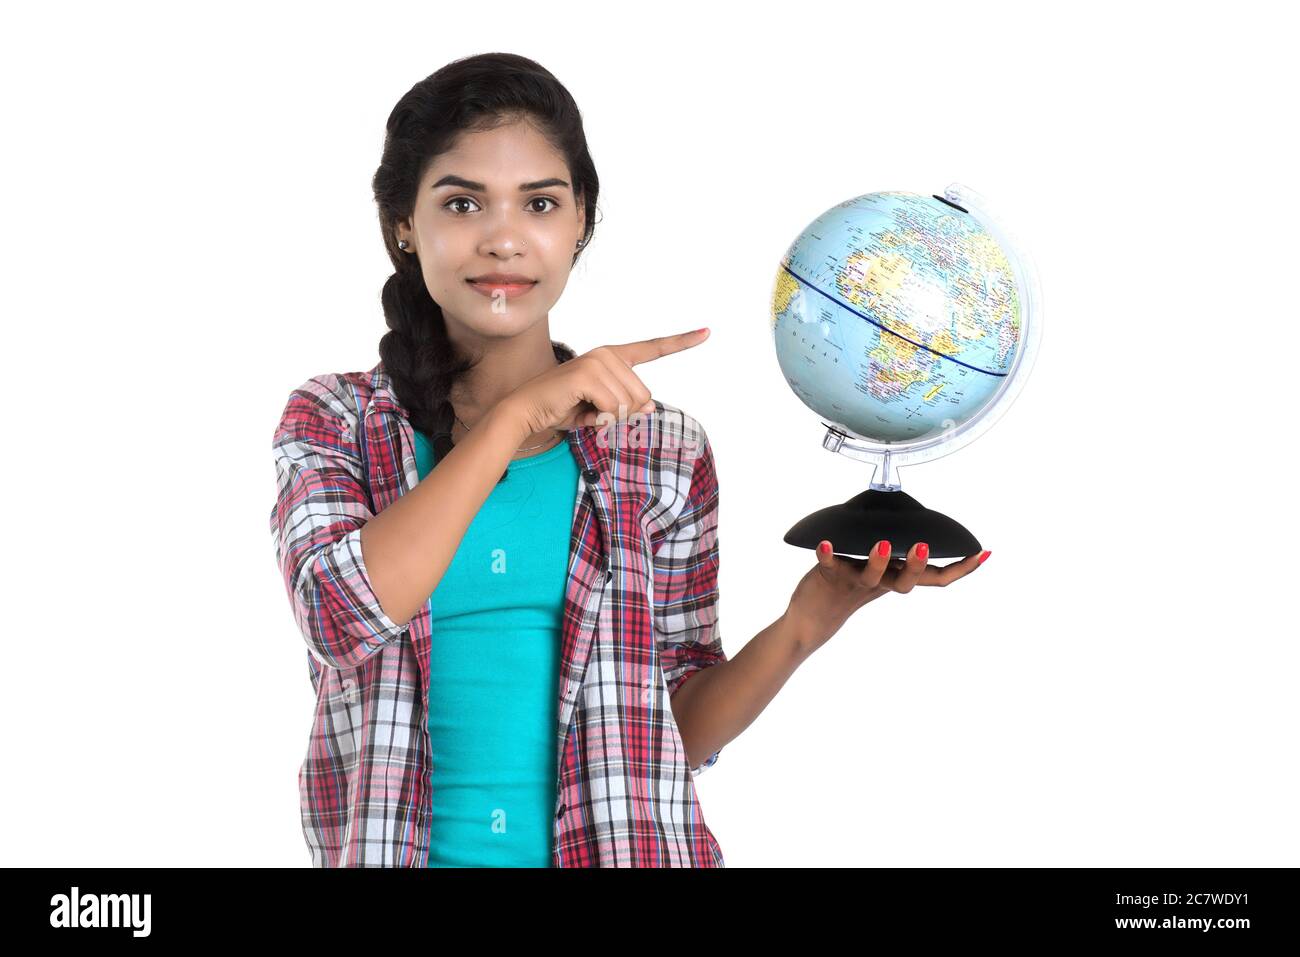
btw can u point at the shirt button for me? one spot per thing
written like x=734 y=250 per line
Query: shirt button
x=591 y=475
x=560 y=813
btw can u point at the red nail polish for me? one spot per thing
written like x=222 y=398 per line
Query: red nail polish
x=923 y=551
x=883 y=549
x=983 y=557
x=823 y=547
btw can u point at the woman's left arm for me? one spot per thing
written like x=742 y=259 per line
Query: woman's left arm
x=721 y=701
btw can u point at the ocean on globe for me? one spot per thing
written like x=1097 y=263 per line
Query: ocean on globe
x=896 y=317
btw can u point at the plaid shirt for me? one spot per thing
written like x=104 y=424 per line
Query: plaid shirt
x=640 y=617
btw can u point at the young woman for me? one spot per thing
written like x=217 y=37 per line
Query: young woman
x=503 y=556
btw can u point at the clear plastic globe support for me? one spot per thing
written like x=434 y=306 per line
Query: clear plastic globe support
x=909 y=324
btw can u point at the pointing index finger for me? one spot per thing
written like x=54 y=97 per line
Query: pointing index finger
x=634 y=353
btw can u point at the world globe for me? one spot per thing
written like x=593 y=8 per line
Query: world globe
x=908 y=323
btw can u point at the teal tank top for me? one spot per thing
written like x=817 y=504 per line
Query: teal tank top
x=494 y=668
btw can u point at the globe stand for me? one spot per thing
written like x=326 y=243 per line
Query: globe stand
x=882 y=512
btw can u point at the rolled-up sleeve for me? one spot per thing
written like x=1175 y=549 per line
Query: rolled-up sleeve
x=321 y=505
x=686 y=583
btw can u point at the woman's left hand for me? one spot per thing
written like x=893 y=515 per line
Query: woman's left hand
x=838 y=586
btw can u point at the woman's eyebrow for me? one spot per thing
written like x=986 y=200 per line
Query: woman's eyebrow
x=462 y=183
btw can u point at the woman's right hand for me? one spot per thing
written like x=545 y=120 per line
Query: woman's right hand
x=575 y=393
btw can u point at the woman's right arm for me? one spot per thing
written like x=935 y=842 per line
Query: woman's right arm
x=342 y=598
x=408 y=546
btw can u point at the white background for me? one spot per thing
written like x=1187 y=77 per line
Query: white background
x=189 y=234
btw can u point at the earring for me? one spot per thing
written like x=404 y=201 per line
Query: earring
x=402 y=244
x=581 y=243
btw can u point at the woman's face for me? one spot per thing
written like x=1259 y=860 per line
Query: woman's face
x=499 y=201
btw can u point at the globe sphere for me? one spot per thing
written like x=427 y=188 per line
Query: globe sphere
x=897 y=317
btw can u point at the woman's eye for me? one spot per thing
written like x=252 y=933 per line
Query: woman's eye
x=543 y=199
x=458 y=199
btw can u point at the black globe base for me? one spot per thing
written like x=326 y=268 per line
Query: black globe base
x=854 y=527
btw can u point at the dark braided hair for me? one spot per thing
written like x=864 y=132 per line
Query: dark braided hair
x=470 y=94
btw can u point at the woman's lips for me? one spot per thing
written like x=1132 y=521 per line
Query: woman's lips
x=511 y=290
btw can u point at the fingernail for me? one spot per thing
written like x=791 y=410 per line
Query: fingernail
x=923 y=550
x=702 y=329
x=823 y=547
x=983 y=557
x=883 y=549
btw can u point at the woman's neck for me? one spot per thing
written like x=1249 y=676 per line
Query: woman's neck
x=504 y=366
